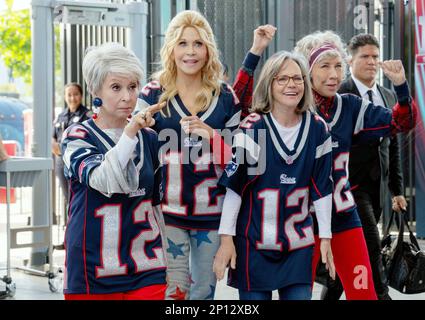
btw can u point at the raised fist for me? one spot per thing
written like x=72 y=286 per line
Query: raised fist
x=263 y=35
x=394 y=70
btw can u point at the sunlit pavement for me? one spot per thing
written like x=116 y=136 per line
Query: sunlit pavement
x=31 y=287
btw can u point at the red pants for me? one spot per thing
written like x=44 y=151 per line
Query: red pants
x=155 y=292
x=352 y=264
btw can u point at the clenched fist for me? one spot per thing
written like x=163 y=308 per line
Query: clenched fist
x=263 y=35
x=394 y=70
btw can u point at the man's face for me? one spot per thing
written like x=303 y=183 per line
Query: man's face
x=364 y=63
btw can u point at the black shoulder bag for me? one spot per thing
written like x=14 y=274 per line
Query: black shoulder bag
x=404 y=261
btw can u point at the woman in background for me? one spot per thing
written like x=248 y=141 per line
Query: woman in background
x=74 y=112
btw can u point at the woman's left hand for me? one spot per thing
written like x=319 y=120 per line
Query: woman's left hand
x=195 y=125
x=327 y=257
x=394 y=70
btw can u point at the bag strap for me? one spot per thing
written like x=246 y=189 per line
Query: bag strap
x=412 y=237
x=403 y=221
x=390 y=223
x=400 y=238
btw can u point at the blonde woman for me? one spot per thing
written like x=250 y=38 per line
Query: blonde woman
x=282 y=161
x=200 y=111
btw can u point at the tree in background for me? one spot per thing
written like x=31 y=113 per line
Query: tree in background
x=15 y=50
x=15 y=42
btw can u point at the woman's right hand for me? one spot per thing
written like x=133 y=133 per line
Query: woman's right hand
x=263 y=35
x=142 y=120
x=327 y=256
x=225 y=253
x=139 y=121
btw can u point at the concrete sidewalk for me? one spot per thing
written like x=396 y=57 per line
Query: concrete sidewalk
x=30 y=287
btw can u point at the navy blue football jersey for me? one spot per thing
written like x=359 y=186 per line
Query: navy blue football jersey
x=192 y=199
x=274 y=230
x=113 y=239
x=351 y=117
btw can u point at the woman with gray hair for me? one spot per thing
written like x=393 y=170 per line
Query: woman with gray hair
x=113 y=239
x=281 y=162
x=349 y=117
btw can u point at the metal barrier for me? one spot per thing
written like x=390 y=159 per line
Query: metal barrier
x=22 y=172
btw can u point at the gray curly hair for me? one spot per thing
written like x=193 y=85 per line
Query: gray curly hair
x=308 y=44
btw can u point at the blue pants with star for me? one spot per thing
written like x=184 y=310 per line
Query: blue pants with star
x=190 y=256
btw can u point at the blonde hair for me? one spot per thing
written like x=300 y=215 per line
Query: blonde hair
x=263 y=98
x=212 y=70
x=319 y=38
x=109 y=58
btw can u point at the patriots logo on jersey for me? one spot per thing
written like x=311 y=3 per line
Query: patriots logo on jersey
x=98 y=158
x=190 y=142
x=137 y=193
x=284 y=179
x=231 y=168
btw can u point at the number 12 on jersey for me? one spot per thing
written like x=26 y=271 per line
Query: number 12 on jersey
x=270 y=220
x=111 y=244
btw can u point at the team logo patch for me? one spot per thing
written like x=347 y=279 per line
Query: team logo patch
x=231 y=168
x=99 y=158
x=138 y=193
x=189 y=142
x=284 y=179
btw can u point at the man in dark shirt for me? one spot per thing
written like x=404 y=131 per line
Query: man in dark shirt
x=373 y=166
